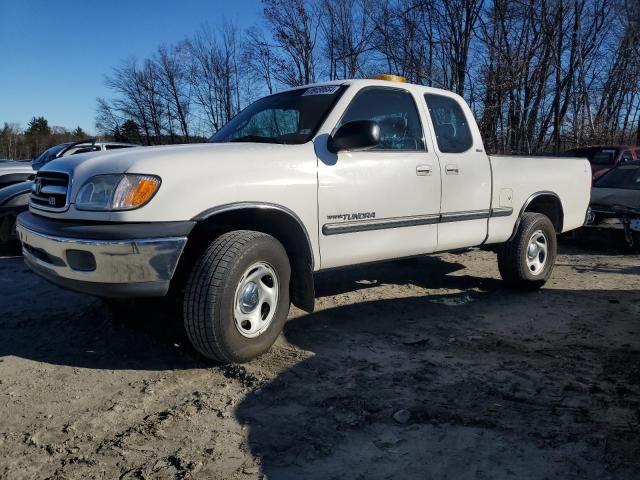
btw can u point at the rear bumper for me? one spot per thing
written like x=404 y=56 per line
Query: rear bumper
x=110 y=267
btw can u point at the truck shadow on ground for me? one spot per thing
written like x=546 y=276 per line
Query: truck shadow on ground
x=424 y=272
x=508 y=386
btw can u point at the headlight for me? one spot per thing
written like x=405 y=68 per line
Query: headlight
x=117 y=192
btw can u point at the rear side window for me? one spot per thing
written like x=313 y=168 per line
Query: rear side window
x=394 y=111
x=450 y=124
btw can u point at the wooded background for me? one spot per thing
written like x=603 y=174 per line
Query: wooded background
x=540 y=75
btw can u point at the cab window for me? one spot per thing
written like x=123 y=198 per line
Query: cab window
x=394 y=111
x=627 y=157
x=273 y=123
x=450 y=124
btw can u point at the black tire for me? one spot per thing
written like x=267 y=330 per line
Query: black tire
x=8 y=230
x=634 y=248
x=512 y=256
x=210 y=296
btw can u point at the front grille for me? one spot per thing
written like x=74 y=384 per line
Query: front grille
x=49 y=191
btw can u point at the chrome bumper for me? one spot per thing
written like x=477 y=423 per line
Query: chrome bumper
x=111 y=268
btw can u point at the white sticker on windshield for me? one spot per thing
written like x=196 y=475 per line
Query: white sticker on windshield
x=325 y=90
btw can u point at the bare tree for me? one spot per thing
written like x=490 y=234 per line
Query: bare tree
x=540 y=74
x=215 y=75
x=294 y=25
x=137 y=97
x=457 y=23
x=259 y=57
x=174 y=85
x=347 y=30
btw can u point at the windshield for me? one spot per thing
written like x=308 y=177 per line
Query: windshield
x=50 y=154
x=626 y=176
x=291 y=117
x=596 y=156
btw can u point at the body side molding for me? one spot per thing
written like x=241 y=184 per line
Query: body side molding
x=501 y=212
x=462 y=216
x=379 y=224
x=400 y=222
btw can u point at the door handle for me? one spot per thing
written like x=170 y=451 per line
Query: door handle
x=452 y=169
x=422 y=170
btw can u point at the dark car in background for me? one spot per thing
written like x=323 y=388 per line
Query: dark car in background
x=14 y=197
x=13 y=200
x=14 y=171
x=614 y=210
x=603 y=158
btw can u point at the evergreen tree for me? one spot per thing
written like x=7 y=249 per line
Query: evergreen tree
x=130 y=132
x=38 y=126
x=117 y=136
x=79 y=133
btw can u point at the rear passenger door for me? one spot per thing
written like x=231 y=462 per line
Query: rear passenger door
x=384 y=202
x=466 y=173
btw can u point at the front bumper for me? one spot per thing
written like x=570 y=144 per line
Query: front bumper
x=114 y=267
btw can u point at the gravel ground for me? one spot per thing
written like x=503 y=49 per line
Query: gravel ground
x=428 y=368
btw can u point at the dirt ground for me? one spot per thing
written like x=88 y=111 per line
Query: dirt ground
x=420 y=369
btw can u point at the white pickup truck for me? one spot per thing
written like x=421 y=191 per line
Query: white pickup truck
x=313 y=178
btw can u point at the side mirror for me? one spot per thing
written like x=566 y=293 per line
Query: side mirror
x=358 y=135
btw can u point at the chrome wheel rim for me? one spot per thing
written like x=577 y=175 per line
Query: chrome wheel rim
x=537 y=252
x=256 y=299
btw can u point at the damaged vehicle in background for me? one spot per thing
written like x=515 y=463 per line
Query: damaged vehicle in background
x=614 y=211
x=14 y=197
x=604 y=158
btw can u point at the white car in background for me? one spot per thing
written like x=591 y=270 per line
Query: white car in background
x=16 y=171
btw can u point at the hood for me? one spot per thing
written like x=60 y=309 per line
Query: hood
x=154 y=159
x=181 y=165
x=609 y=197
x=197 y=177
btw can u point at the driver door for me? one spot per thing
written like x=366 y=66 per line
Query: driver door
x=384 y=202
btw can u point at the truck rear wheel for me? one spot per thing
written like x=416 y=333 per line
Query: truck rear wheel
x=526 y=262
x=237 y=297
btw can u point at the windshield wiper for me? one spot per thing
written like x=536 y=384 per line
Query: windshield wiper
x=257 y=139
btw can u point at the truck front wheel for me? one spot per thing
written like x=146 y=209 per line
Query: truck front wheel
x=237 y=297
x=526 y=262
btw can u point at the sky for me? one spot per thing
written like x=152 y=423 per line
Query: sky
x=54 y=54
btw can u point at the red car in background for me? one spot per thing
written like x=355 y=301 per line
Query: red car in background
x=604 y=158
